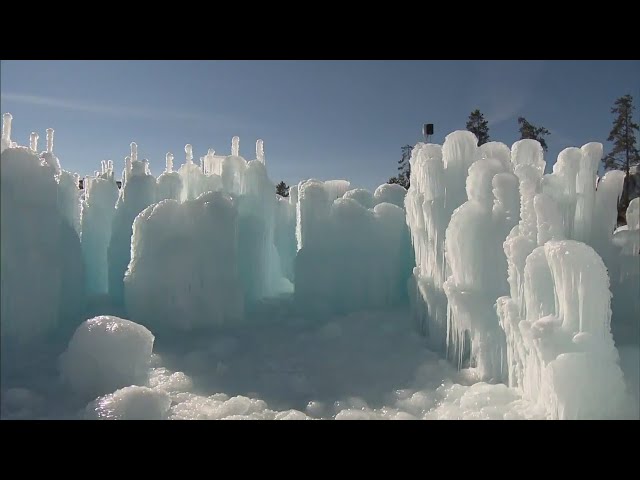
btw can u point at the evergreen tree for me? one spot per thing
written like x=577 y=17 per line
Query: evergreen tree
x=528 y=130
x=624 y=154
x=404 y=167
x=282 y=189
x=478 y=126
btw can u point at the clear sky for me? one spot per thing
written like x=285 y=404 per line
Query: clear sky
x=320 y=119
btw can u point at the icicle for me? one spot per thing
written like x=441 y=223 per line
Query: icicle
x=6 y=126
x=33 y=141
x=260 y=151
x=169 y=162
x=134 y=152
x=235 y=146
x=103 y=167
x=189 y=151
x=49 y=140
x=76 y=178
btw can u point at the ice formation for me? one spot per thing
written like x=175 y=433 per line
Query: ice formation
x=184 y=271
x=350 y=256
x=5 y=140
x=518 y=278
x=49 y=157
x=98 y=210
x=437 y=189
x=260 y=151
x=191 y=176
x=130 y=403
x=169 y=182
x=560 y=348
x=285 y=233
x=625 y=278
x=137 y=193
x=106 y=353
x=478 y=267
x=40 y=250
x=551 y=339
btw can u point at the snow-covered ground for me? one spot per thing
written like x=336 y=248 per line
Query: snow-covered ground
x=369 y=365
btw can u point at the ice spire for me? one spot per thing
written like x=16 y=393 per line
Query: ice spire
x=33 y=141
x=127 y=164
x=235 y=146
x=147 y=170
x=169 y=162
x=134 y=152
x=189 y=151
x=49 y=140
x=110 y=167
x=207 y=166
x=260 y=151
x=6 y=126
x=103 y=166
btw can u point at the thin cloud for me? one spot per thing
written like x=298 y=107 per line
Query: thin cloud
x=114 y=110
x=505 y=88
x=503 y=109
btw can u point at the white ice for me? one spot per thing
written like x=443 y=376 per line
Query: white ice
x=106 y=353
x=489 y=289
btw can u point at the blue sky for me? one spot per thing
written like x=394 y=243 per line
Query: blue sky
x=321 y=119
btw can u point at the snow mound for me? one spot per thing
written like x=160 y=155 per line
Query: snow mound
x=130 y=403
x=106 y=353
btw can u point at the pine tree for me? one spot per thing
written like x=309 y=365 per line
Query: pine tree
x=624 y=154
x=282 y=189
x=404 y=167
x=528 y=130
x=478 y=126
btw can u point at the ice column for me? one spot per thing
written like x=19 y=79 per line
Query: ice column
x=260 y=151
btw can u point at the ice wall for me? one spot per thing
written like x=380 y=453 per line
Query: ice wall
x=169 y=182
x=389 y=193
x=215 y=253
x=137 y=193
x=69 y=205
x=285 y=233
x=557 y=319
x=438 y=177
x=41 y=270
x=512 y=240
x=560 y=348
x=478 y=267
x=183 y=272
x=98 y=210
x=625 y=279
x=353 y=254
x=192 y=177
x=259 y=260
x=587 y=211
